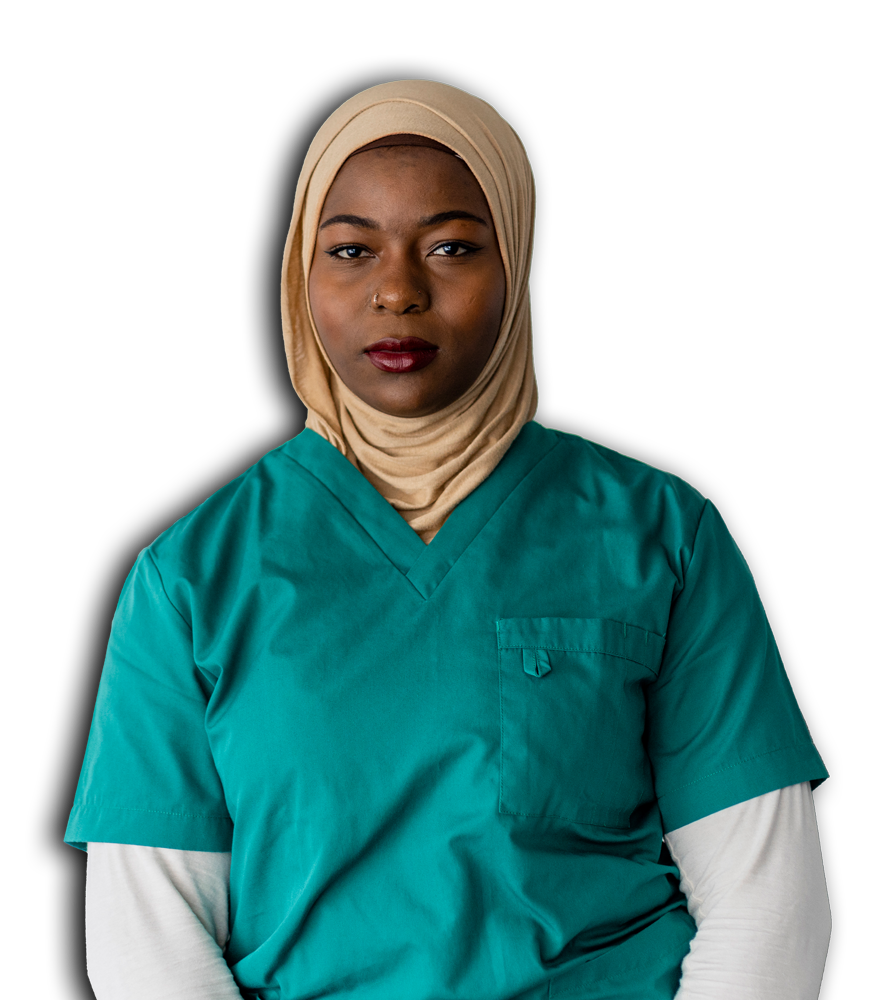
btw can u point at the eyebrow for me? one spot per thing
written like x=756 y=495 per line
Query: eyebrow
x=431 y=220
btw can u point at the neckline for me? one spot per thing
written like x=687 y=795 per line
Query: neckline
x=423 y=565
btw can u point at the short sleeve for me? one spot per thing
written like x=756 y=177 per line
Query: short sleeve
x=148 y=776
x=723 y=723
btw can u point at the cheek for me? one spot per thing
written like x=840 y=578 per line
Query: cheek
x=327 y=311
x=477 y=306
x=497 y=300
x=318 y=296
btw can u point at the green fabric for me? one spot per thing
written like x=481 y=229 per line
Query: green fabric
x=444 y=770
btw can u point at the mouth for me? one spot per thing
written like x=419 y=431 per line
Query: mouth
x=403 y=346
x=399 y=356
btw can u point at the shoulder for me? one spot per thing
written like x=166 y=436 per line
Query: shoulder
x=219 y=524
x=615 y=479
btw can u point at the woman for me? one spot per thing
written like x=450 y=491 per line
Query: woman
x=407 y=709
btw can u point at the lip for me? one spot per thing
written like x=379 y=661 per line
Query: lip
x=399 y=356
x=405 y=344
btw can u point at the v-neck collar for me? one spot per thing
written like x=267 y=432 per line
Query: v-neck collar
x=424 y=566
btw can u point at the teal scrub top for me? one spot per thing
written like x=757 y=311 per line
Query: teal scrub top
x=444 y=770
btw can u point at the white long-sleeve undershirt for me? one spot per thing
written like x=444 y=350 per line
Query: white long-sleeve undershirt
x=157 y=919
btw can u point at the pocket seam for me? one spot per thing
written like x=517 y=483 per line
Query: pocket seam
x=602 y=817
x=577 y=649
x=537 y=633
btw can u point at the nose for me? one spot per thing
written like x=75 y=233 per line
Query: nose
x=400 y=298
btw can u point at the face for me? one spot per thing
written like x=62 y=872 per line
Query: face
x=407 y=285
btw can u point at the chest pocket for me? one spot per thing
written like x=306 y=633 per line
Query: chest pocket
x=572 y=714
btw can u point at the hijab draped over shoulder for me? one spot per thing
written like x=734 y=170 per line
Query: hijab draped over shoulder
x=424 y=466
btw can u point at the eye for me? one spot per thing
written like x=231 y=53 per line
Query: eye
x=339 y=250
x=453 y=249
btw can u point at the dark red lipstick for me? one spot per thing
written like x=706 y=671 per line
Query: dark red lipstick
x=407 y=355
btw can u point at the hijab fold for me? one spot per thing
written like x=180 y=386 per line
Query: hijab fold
x=423 y=466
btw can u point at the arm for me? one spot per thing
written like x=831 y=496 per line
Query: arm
x=753 y=877
x=157 y=921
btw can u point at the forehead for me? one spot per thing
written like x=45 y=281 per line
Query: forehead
x=404 y=177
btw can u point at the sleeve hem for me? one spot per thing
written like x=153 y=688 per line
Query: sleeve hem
x=116 y=825
x=742 y=780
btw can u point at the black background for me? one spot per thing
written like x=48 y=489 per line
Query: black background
x=680 y=270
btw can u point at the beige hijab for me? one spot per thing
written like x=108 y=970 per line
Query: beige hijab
x=424 y=466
